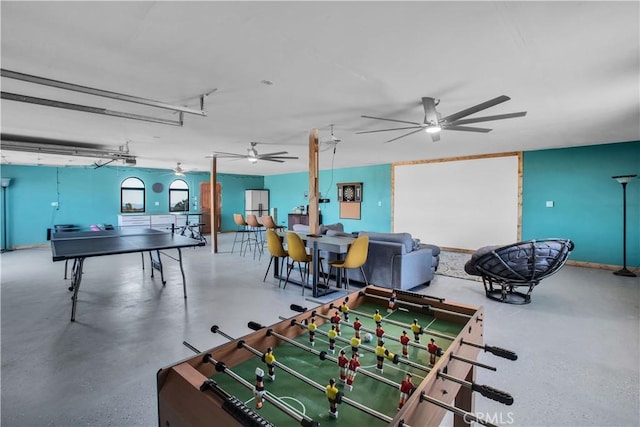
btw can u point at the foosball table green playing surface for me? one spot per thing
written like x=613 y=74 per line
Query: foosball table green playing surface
x=394 y=359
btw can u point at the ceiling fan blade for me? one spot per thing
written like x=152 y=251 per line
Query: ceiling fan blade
x=490 y=118
x=430 y=113
x=402 y=136
x=273 y=160
x=466 y=128
x=277 y=153
x=279 y=157
x=476 y=108
x=392 y=120
x=385 y=130
x=223 y=154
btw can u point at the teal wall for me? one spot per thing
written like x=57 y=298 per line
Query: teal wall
x=288 y=191
x=587 y=201
x=88 y=196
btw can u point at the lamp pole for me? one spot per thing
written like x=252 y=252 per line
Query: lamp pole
x=5 y=184
x=624 y=180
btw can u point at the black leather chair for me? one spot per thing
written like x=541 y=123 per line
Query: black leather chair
x=504 y=269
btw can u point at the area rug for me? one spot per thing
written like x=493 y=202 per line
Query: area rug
x=452 y=265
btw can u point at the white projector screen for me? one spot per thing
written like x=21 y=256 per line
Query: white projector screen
x=459 y=204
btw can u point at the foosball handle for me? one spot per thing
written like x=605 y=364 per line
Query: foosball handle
x=493 y=393
x=254 y=326
x=298 y=308
x=501 y=352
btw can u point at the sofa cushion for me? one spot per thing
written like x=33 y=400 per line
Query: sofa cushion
x=335 y=227
x=402 y=238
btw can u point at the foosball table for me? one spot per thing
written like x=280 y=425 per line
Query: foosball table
x=375 y=357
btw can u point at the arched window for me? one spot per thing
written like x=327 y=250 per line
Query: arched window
x=178 y=196
x=132 y=196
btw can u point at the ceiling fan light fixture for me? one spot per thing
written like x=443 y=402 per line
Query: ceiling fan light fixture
x=252 y=160
x=433 y=129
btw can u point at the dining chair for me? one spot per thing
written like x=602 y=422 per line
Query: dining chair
x=355 y=258
x=242 y=230
x=298 y=254
x=255 y=235
x=277 y=251
x=269 y=223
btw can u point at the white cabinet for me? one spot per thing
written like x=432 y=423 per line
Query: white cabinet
x=162 y=222
x=134 y=221
x=256 y=202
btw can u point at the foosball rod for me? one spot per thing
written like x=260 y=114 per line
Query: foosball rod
x=321 y=354
x=353 y=403
x=393 y=322
x=427 y=307
x=485 y=390
x=221 y=367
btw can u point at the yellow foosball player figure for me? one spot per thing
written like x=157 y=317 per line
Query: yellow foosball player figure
x=259 y=391
x=269 y=358
x=416 y=329
x=355 y=345
x=332 y=334
x=343 y=364
x=312 y=331
x=344 y=308
x=377 y=317
x=406 y=388
x=334 y=396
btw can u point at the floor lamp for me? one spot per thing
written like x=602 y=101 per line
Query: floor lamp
x=624 y=179
x=5 y=184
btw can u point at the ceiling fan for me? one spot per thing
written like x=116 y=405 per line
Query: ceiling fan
x=433 y=122
x=178 y=171
x=253 y=156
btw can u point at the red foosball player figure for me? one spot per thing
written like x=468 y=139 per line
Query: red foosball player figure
x=404 y=340
x=332 y=334
x=269 y=358
x=336 y=319
x=343 y=363
x=357 y=325
x=416 y=329
x=380 y=354
x=312 y=331
x=258 y=391
x=392 y=302
x=379 y=333
x=355 y=345
x=354 y=365
x=377 y=317
x=406 y=388
x=333 y=394
x=432 y=348
x=344 y=308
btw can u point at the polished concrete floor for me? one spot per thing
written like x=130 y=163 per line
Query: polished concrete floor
x=577 y=342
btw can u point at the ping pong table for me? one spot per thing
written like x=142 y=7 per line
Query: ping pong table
x=79 y=245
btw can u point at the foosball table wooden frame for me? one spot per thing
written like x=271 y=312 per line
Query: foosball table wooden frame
x=184 y=401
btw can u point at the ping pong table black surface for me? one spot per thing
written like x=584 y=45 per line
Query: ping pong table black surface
x=78 y=245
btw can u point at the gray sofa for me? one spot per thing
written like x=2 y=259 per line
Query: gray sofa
x=395 y=260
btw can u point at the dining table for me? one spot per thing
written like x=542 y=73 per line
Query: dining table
x=321 y=242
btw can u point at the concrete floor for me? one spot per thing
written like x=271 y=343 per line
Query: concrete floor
x=577 y=342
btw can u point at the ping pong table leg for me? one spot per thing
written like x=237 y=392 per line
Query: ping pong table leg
x=157 y=265
x=184 y=280
x=78 y=264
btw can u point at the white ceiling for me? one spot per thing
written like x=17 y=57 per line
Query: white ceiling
x=573 y=66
